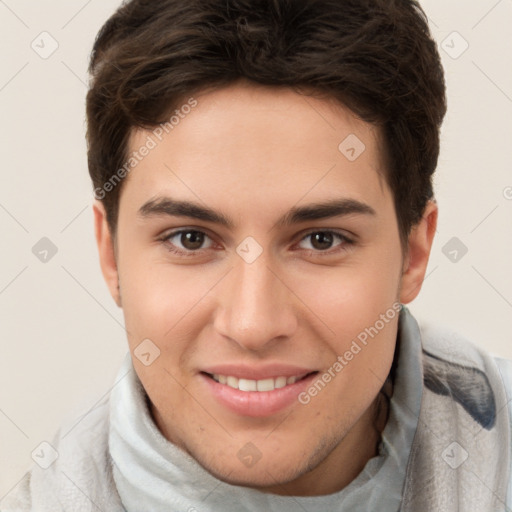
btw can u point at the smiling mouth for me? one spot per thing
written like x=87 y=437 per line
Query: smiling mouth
x=263 y=385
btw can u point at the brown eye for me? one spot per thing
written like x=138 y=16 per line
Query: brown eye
x=186 y=242
x=324 y=241
x=321 y=240
x=192 y=240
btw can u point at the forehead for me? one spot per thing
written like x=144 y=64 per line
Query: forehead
x=262 y=146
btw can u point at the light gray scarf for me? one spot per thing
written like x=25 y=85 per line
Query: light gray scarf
x=461 y=456
x=456 y=457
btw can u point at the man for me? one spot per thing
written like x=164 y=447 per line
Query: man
x=264 y=209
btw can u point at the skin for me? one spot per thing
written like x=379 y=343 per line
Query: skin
x=253 y=153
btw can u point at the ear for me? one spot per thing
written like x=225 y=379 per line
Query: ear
x=106 y=251
x=416 y=261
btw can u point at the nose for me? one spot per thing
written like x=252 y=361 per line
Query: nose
x=256 y=306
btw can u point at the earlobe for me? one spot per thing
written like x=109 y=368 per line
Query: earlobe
x=106 y=251
x=419 y=246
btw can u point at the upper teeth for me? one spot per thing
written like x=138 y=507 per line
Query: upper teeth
x=255 y=385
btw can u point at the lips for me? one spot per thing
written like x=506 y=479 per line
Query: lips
x=256 y=392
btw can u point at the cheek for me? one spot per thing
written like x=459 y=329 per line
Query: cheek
x=350 y=299
x=157 y=296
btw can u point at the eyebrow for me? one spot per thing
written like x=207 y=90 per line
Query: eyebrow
x=327 y=209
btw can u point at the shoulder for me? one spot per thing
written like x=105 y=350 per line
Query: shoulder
x=457 y=366
x=443 y=343
x=18 y=500
x=466 y=402
x=77 y=472
x=505 y=367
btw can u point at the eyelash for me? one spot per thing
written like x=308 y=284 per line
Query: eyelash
x=328 y=252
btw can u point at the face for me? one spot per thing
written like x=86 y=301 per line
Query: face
x=255 y=252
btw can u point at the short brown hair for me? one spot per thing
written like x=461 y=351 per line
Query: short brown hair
x=376 y=57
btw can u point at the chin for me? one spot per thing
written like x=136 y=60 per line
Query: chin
x=261 y=476
x=264 y=479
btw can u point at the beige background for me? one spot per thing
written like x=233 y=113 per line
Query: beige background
x=62 y=336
